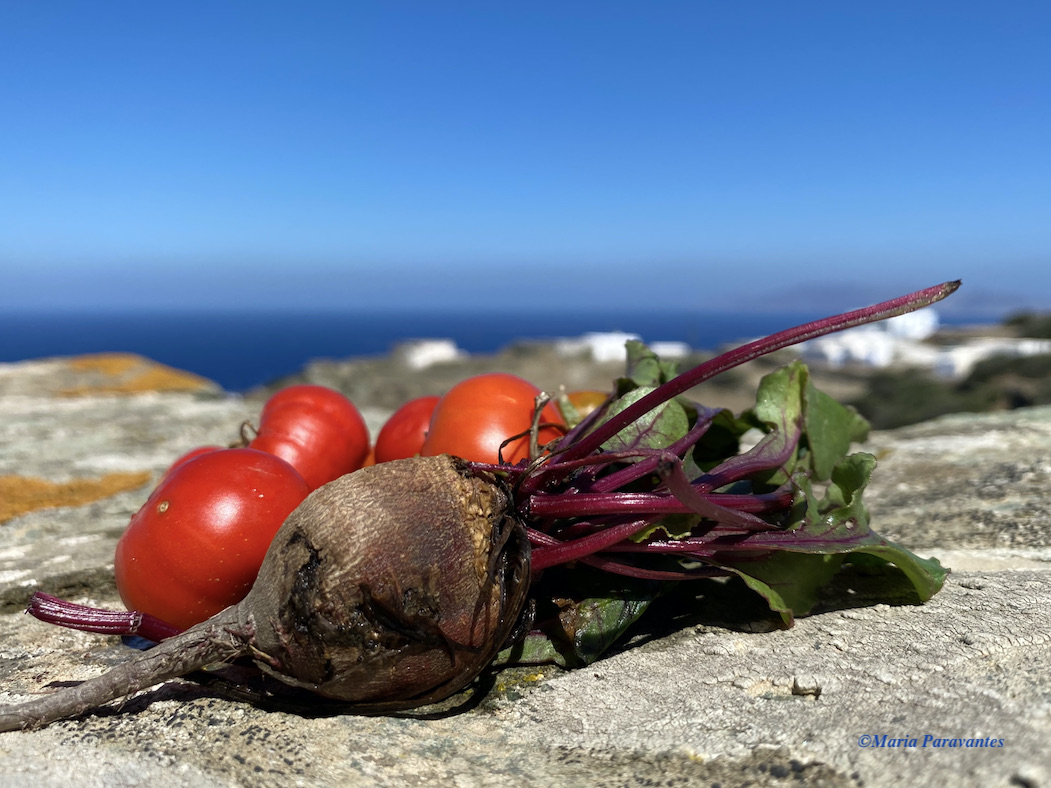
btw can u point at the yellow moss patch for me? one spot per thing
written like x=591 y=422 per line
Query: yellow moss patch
x=22 y=494
x=518 y=680
x=128 y=373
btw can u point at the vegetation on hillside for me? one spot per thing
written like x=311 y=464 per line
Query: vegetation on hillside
x=895 y=398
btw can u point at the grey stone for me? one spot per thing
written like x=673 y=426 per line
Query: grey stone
x=725 y=698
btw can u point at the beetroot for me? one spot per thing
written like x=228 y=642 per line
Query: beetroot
x=397 y=585
x=364 y=596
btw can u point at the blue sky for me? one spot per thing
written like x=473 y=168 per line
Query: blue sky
x=325 y=155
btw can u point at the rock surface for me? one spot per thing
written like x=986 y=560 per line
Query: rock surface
x=722 y=698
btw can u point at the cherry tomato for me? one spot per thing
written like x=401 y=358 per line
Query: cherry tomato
x=586 y=401
x=197 y=543
x=480 y=413
x=403 y=434
x=316 y=429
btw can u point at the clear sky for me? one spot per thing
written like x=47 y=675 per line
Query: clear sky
x=371 y=153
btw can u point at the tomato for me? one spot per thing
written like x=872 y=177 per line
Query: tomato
x=403 y=434
x=480 y=413
x=197 y=543
x=316 y=429
x=192 y=454
x=182 y=459
x=586 y=401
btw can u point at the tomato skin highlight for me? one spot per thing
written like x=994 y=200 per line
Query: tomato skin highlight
x=404 y=432
x=316 y=429
x=478 y=414
x=196 y=545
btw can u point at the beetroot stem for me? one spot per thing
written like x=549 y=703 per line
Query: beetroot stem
x=748 y=352
x=766 y=455
x=675 y=480
x=642 y=468
x=542 y=558
x=554 y=552
x=220 y=639
x=721 y=507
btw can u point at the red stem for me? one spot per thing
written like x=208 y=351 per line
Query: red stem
x=53 y=610
x=718 y=506
x=549 y=553
x=553 y=552
x=649 y=465
x=748 y=352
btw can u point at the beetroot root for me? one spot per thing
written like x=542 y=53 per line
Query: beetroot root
x=389 y=588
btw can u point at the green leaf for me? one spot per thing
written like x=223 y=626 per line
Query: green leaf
x=841 y=512
x=674 y=526
x=722 y=440
x=644 y=367
x=592 y=625
x=657 y=429
x=789 y=582
x=568 y=410
x=788 y=397
x=830 y=429
x=779 y=403
x=849 y=477
x=926 y=574
x=582 y=630
x=534 y=649
x=779 y=398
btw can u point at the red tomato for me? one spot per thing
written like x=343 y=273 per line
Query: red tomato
x=197 y=543
x=403 y=434
x=316 y=429
x=182 y=459
x=190 y=455
x=480 y=413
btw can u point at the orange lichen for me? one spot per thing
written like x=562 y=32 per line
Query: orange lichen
x=127 y=373
x=106 y=363
x=22 y=494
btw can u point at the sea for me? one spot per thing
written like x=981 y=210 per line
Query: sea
x=242 y=350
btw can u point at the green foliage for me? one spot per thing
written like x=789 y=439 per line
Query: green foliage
x=826 y=524
x=896 y=399
x=787 y=400
x=1030 y=324
x=644 y=368
x=1036 y=367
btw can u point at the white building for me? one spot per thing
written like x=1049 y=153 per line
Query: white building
x=900 y=340
x=423 y=353
x=608 y=346
x=958 y=361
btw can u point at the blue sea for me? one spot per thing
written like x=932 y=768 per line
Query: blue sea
x=243 y=350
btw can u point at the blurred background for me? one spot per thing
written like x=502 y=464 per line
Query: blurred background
x=235 y=188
